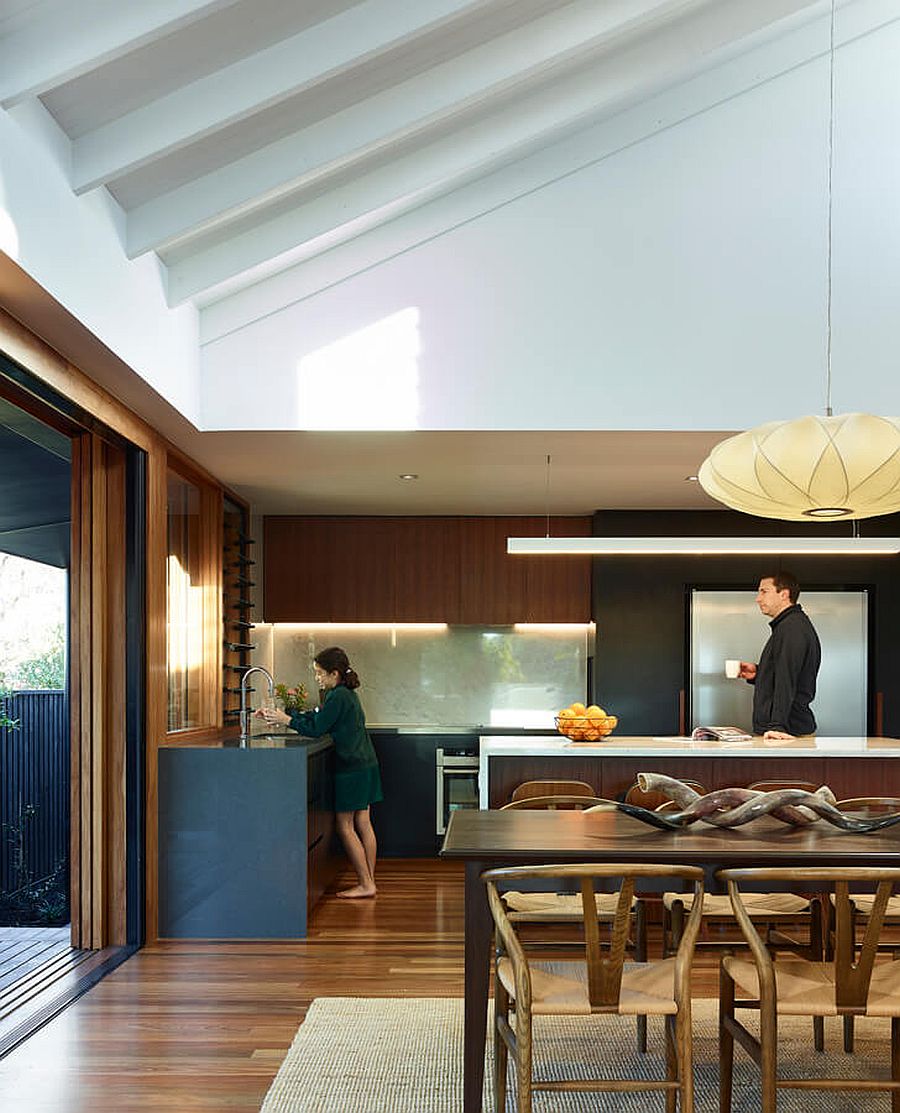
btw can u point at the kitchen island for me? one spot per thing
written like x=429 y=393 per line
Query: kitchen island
x=850 y=766
x=247 y=843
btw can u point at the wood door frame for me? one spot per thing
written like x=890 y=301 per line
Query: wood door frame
x=107 y=590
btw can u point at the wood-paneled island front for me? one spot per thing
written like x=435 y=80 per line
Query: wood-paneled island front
x=850 y=766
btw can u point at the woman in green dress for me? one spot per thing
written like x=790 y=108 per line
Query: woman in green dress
x=357 y=781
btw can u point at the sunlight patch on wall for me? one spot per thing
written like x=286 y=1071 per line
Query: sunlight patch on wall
x=367 y=380
x=184 y=627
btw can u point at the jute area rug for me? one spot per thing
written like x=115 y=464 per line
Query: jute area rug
x=404 y=1055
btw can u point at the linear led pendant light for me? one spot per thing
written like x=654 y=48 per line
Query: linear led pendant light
x=701 y=546
x=831 y=467
x=698 y=546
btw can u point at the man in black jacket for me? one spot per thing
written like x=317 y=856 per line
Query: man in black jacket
x=785 y=679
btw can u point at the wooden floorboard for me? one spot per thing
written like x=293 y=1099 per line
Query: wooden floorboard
x=182 y=1027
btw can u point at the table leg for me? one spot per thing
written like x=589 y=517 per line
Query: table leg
x=477 y=978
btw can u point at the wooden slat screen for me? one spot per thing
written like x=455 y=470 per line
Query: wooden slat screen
x=97 y=693
x=34 y=757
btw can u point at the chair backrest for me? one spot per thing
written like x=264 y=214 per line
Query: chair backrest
x=557 y=802
x=776 y=786
x=551 y=788
x=654 y=800
x=604 y=964
x=852 y=966
x=870 y=806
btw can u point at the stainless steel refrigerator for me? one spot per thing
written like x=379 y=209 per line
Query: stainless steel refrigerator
x=728 y=624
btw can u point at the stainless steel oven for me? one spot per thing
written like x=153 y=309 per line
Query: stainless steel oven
x=457 y=783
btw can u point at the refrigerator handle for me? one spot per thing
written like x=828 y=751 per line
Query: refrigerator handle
x=682 y=725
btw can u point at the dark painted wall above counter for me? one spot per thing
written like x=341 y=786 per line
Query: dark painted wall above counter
x=640 y=608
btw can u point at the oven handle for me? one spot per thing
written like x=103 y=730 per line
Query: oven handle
x=439 y=797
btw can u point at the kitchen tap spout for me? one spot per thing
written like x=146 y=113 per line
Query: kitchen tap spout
x=245 y=710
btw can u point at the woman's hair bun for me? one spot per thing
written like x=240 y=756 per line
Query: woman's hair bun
x=335 y=659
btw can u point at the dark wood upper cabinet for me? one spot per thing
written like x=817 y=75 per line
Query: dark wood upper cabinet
x=420 y=569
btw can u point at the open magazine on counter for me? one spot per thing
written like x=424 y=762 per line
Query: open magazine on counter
x=720 y=734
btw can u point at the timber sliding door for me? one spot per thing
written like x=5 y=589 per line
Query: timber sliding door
x=106 y=665
x=106 y=693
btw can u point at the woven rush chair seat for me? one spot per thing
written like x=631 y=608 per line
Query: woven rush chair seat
x=647 y=989
x=563 y=908
x=769 y=906
x=848 y=983
x=809 y=989
x=600 y=980
x=863 y=903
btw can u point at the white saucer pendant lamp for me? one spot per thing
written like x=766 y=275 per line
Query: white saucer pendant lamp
x=847 y=466
x=842 y=466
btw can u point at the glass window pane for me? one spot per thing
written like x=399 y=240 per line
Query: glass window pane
x=185 y=595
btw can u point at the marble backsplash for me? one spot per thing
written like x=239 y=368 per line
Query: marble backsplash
x=450 y=676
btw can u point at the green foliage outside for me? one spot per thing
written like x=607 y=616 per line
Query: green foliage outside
x=5 y=720
x=34 y=900
x=45 y=670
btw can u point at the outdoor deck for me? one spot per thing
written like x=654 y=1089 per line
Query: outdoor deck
x=39 y=969
x=24 y=949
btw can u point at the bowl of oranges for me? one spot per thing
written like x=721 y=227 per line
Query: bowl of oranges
x=585 y=724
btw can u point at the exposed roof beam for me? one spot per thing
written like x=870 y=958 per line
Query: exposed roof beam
x=68 y=39
x=297 y=230
x=252 y=84
x=446 y=92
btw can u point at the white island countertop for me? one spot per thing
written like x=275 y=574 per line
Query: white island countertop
x=554 y=745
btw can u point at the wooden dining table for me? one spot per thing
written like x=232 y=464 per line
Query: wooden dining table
x=486 y=839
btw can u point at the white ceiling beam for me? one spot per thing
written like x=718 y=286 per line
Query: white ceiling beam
x=252 y=84
x=423 y=102
x=66 y=39
x=296 y=230
x=246 y=298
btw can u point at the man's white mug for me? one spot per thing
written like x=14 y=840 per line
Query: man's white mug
x=732 y=669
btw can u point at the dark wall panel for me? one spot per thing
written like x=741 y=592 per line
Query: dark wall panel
x=640 y=608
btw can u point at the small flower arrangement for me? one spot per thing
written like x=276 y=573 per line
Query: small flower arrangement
x=293 y=699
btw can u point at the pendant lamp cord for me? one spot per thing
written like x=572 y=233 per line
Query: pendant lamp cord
x=547 y=494
x=829 y=190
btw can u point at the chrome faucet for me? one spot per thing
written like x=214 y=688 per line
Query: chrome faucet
x=245 y=710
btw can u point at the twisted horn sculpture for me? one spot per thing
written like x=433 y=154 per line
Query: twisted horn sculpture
x=730 y=807
x=685 y=797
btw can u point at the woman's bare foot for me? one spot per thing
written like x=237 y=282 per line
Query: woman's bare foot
x=358 y=892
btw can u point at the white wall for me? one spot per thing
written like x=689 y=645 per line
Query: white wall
x=72 y=247
x=679 y=283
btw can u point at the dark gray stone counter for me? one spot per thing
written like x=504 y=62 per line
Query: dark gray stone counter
x=246 y=837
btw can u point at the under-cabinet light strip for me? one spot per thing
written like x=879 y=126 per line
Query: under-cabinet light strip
x=701 y=546
x=551 y=627
x=411 y=627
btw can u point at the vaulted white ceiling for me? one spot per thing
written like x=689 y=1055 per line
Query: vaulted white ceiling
x=265 y=150
x=241 y=137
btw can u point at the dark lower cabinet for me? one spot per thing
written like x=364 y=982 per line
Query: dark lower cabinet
x=324 y=857
x=406 y=821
